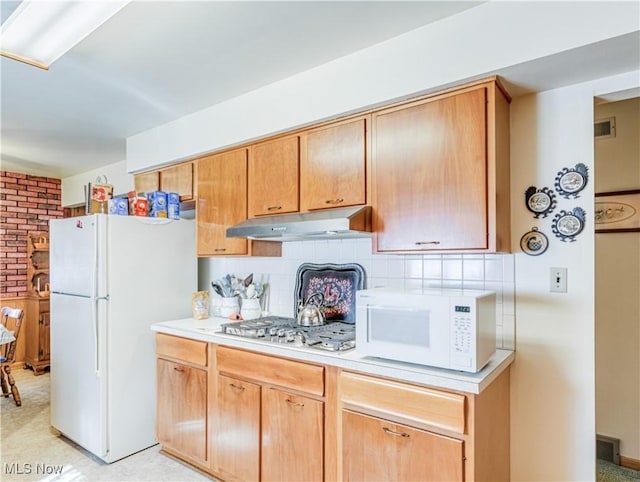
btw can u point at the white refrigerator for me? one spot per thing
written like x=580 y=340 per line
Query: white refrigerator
x=111 y=277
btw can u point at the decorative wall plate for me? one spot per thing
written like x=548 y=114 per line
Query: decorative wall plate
x=540 y=201
x=337 y=283
x=567 y=225
x=534 y=243
x=569 y=182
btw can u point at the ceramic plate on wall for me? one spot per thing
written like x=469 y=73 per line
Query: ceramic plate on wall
x=534 y=243
x=540 y=201
x=569 y=182
x=568 y=224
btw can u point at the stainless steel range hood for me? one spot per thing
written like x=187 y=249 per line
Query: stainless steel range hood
x=339 y=223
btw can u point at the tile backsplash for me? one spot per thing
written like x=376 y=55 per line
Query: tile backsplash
x=494 y=272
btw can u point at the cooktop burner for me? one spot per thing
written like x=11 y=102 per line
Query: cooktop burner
x=334 y=336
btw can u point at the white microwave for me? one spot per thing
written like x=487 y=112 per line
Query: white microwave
x=452 y=329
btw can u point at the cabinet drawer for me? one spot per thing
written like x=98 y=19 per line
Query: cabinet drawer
x=271 y=370
x=190 y=351
x=433 y=407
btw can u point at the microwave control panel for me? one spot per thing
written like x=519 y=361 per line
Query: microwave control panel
x=462 y=329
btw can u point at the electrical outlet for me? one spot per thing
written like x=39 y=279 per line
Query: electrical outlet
x=558 y=280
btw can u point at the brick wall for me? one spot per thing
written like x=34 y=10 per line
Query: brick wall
x=26 y=205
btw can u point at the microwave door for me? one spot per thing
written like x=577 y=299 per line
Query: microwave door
x=411 y=334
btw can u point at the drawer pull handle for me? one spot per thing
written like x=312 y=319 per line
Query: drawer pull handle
x=295 y=404
x=220 y=249
x=334 y=201
x=395 y=434
x=274 y=208
x=236 y=387
x=427 y=242
x=179 y=369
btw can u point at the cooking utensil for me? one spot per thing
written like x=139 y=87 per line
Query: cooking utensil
x=217 y=288
x=311 y=313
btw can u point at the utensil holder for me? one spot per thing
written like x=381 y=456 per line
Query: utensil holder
x=251 y=309
x=229 y=306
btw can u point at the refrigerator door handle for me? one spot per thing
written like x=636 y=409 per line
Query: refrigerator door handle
x=94 y=315
x=94 y=296
x=94 y=278
x=64 y=293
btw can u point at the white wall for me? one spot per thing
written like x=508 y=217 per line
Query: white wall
x=553 y=380
x=474 y=43
x=116 y=174
x=617 y=269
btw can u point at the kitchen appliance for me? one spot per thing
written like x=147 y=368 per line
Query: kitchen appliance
x=452 y=329
x=311 y=313
x=111 y=278
x=335 y=336
x=337 y=223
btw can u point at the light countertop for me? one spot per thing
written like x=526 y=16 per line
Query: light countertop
x=208 y=330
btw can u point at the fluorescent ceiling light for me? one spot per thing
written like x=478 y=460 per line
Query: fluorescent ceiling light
x=40 y=32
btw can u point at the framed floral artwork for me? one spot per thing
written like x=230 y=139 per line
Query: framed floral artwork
x=335 y=285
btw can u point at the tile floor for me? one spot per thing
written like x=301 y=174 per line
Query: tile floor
x=32 y=450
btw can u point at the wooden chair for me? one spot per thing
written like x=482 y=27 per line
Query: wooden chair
x=8 y=353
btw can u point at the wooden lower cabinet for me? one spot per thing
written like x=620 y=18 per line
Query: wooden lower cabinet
x=37 y=351
x=376 y=449
x=396 y=431
x=237 y=439
x=182 y=403
x=247 y=416
x=266 y=429
x=292 y=437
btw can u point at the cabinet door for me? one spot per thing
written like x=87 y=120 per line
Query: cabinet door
x=374 y=449
x=222 y=202
x=147 y=181
x=182 y=409
x=430 y=174
x=178 y=179
x=292 y=437
x=44 y=352
x=273 y=177
x=238 y=437
x=333 y=166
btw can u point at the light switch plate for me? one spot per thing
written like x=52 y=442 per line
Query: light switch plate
x=558 y=280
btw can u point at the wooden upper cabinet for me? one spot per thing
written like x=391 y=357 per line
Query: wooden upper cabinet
x=333 y=165
x=178 y=179
x=222 y=202
x=147 y=181
x=273 y=177
x=441 y=173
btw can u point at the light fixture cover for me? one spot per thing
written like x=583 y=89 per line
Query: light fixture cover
x=39 y=33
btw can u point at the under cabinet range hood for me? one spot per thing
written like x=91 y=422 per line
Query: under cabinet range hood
x=338 y=223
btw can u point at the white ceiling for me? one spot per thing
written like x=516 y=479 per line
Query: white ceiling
x=156 y=61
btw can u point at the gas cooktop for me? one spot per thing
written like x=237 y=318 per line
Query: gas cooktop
x=334 y=336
